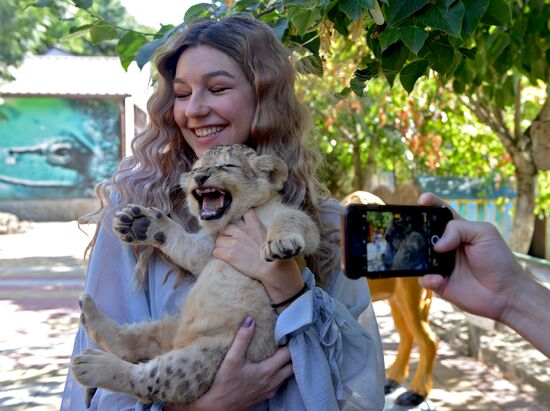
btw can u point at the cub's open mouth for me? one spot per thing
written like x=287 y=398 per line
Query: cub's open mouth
x=213 y=202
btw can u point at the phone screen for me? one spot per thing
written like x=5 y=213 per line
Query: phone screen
x=394 y=241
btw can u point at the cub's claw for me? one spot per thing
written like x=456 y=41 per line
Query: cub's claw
x=283 y=248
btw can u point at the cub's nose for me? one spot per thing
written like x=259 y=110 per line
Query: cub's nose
x=201 y=179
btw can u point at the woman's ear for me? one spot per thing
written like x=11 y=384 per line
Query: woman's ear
x=272 y=168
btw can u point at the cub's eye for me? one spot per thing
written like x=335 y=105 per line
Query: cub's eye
x=229 y=166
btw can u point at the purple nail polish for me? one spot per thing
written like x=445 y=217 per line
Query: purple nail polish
x=248 y=321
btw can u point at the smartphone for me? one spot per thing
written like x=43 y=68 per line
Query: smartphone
x=384 y=241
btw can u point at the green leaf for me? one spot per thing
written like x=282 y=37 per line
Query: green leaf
x=301 y=19
x=413 y=37
x=280 y=27
x=498 y=13
x=411 y=73
x=147 y=51
x=311 y=65
x=40 y=4
x=393 y=60
x=83 y=4
x=497 y=43
x=102 y=32
x=351 y=8
x=440 y=18
x=442 y=57
x=342 y=94
x=370 y=71
x=310 y=41
x=469 y=53
x=398 y=10
x=458 y=86
x=357 y=86
x=127 y=47
x=372 y=40
x=474 y=11
x=388 y=37
x=75 y=29
x=197 y=11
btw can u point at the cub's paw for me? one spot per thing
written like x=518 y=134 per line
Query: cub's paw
x=282 y=248
x=95 y=368
x=141 y=225
x=93 y=320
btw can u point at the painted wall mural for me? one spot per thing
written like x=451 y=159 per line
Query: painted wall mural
x=56 y=147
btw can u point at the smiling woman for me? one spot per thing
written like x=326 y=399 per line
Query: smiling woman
x=221 y=83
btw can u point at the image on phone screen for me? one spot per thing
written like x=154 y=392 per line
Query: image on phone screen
x=394 y=241
x=397 y=241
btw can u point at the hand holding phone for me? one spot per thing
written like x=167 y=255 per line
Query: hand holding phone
x=384 y=241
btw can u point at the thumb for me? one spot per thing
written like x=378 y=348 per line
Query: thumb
x=237 y=351
x=251 y=217
x=458 y=232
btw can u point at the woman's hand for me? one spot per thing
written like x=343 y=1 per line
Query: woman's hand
x=240 y=246
x=486 y=273
x=240 y=383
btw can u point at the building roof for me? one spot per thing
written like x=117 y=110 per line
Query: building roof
x=466 y=188
x=60 y=74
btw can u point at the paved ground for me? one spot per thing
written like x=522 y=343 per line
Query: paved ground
x=41 y=275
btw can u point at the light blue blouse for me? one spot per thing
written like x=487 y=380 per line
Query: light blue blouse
x=338 y=364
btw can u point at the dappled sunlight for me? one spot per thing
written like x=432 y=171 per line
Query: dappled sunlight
x=36 y=347
x=461 y=382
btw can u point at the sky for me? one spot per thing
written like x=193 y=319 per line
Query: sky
x=154 y=12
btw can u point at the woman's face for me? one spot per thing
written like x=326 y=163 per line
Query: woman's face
x=214 y=102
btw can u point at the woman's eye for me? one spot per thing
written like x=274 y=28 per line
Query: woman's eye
x=218 y=89
x=181 y=95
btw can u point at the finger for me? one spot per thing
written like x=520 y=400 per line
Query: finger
x=458 y=232
x=283 y=374
x=230 y=231
x=431 y=200
x=237 y=351
x=433 y=282
x=277 y=360
x=251 y=220
x=227 y=242
x=223 y=253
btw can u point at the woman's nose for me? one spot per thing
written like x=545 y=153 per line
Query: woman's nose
x=197 y=106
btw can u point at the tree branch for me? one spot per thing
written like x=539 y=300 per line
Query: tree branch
x=517 y=109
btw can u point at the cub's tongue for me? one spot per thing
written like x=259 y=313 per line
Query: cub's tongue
x=211 y=203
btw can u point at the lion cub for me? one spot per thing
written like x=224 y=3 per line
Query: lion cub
x=182 y=354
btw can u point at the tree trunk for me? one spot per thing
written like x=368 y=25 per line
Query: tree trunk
x=520 y=147
x=526 y=174
x=370 y=166
x=357 y=168
x=523 y=225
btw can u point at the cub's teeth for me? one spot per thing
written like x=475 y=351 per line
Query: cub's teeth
x=207 y=131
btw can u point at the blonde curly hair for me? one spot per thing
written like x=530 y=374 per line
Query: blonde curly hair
x=151 y=176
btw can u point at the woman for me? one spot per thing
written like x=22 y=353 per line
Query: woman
x=221 y=83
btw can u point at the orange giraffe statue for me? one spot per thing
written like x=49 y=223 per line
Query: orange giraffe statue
x=410 y=306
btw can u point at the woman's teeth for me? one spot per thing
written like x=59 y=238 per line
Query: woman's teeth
x=208 y=131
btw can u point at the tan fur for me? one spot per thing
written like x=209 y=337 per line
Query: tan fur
x=410 y=303
x=185 y=352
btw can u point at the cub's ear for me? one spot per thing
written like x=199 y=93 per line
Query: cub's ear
x=272 y=168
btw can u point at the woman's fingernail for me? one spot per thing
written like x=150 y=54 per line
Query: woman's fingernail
x=248 y=321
